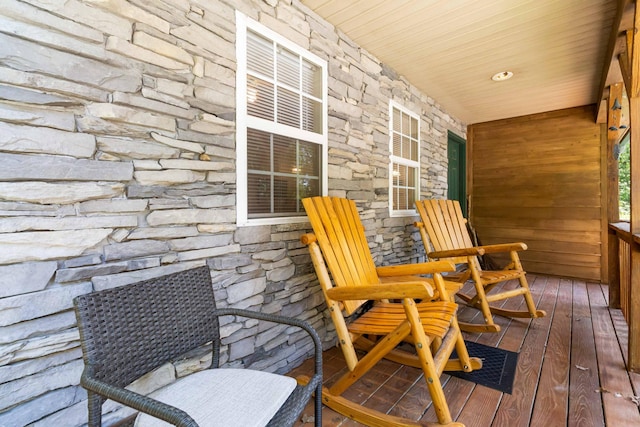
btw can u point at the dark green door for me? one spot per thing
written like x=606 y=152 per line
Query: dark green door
x=456 y=178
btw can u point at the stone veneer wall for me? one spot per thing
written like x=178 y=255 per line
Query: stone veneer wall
x=117 y=163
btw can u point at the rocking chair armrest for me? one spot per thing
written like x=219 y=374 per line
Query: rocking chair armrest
x=451 y=253
x=308 y=238
x=137 y=401
x=504 y=247
x=413 y=269
x=393 y=290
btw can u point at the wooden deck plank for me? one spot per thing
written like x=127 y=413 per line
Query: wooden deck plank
x=370 y=382
x=552 y=397
x=415 y=401
x=615 y=383
x=515 y=409
x=585 y=405
x=457 y=392
x=387 y=397
x=622 y=333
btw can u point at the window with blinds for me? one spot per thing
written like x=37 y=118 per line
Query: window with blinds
x=282 y=132
x=281 y=172
x=404 y=131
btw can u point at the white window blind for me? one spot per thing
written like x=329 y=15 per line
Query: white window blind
x=282 y=129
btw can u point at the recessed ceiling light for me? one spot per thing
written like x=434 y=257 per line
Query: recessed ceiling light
x=502 y=76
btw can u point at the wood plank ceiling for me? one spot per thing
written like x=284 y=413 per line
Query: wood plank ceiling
x=449 y=49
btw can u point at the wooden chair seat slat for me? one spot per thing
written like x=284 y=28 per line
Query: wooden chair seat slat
x=383 y=318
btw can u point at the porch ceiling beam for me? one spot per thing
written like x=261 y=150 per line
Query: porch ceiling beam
x=609 y=72
x=614 y=115
x=625 y=64
x=633 y=54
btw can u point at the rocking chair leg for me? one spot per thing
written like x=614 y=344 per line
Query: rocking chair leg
x=467 y=363
x=464 y=362
x=533 y=313
x=480 y=300
x=525 y=284
x=431 y=374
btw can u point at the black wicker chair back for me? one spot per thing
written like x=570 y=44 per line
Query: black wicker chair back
x=141 y=326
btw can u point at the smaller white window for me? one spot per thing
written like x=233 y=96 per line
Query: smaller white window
x=404 y=164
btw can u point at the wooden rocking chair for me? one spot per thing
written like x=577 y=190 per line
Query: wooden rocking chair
x=339 y=246
x=444 y=229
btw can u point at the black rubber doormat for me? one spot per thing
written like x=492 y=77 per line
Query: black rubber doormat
x=498 y=367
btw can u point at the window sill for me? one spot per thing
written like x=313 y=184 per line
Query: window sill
x=273 y=221
x=401 y=214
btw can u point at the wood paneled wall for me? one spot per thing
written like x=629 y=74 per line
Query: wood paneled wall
x=540 y=179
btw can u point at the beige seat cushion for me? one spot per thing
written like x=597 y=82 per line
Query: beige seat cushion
x=224 y=397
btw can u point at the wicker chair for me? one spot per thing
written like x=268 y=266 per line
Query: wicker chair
x=131 y=330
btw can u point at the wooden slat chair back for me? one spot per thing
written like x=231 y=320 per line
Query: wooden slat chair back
x=349 y=277
x=446 y=227
x=341 y=235
x=446 y=237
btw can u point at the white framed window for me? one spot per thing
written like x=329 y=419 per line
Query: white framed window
x=281 y=125
x=404 y=160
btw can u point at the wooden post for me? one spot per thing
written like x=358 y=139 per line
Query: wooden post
x=469 y=174
x=613 y=208
x=633 y=92
x=634 y=303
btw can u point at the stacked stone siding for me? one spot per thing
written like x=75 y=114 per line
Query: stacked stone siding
x=118 y=163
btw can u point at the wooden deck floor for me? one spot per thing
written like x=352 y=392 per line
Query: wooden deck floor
x=571 y=369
